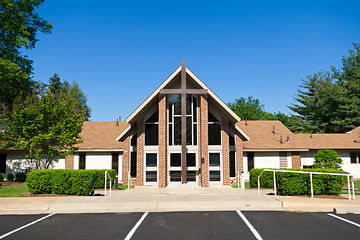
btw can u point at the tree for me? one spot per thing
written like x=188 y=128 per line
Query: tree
x=330 y=102
x=46 y=125
x=19 y=25
x=327 y=158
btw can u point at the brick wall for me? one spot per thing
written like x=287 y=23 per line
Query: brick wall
x=125 y=160
x=69 y=162
x=295 y=157
x=203 y=144
x=225 y=151
x=140 y=153
x=239 y=155
x=162 y=142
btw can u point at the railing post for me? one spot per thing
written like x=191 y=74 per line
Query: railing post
x=238 y=179
x=258 y=185
x=348 y=178
x=311 y=184
x=274 y=182
x=105 y=182
x=353 y=188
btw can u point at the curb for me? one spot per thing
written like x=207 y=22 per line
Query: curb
x=346 y=210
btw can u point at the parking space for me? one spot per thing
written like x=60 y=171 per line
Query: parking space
x=181 y=225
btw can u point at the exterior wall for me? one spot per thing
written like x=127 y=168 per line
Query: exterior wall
x=225 y=152
x=98 y=161
x=239 y=156
x=69 y=162
x=266 y=160
x=140 y=154
x=296 y=159
x=203 y=143
x=162 y=143
x=125 y=161
x=307 y=158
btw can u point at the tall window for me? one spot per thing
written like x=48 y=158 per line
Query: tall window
x=2 y=163
x=133 y=164
x=250 y=157
x=152 y=130
x=115 y=161
x=214 y=130
x=354 y=157
x=232 y=164
x=174 y=105
x=82 y=160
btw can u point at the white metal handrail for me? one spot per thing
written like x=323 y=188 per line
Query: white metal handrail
x=129 y=180
x=311 y=183
x=106 y=175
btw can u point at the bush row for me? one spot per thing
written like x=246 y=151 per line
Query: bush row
x=19 y=177
x=67 y=181
x=299 y=183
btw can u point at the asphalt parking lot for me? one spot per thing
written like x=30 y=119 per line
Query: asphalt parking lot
x=182 y=225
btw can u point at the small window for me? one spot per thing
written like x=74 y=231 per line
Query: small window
x=133 y=164
x=152 y=130
x=2 y=163
x=134 y=140
x=354 y=158
x=214 y=128
x=115 y=161
x=151 y=160
x=214 y=159
x=82 y=160
x=250 y=157
x=190 y=160
x=232 y=164
x=175 y=159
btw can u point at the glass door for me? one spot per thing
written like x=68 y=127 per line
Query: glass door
x=151 y=169
x=175 y=175
x=215 y=173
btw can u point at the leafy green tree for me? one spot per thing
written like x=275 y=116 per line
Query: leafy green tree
x=19 y=25
x=327 y=158
x=45 y=125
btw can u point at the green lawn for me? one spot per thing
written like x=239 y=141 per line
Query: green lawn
x=122 y=187
x=357 y=186
x=247 y=185
x=13 y=191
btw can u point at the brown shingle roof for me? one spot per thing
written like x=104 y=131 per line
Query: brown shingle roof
x=101 y=135
x=262 y=137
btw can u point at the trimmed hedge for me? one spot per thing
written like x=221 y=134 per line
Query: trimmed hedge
x=299 y=183
x=66 y=181
x=1 y=178
x=20 y=177
x=10 y=177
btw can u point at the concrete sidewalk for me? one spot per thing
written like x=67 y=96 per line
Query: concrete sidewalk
x=180 y=198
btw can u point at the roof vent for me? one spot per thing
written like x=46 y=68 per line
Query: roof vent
x=288 y=139
x=310 y=135
x=348 y=132
x=273 y=131
x=117 y=122
x=119 y=118
x=281 y=141
x=246 y=122
x=356 y=141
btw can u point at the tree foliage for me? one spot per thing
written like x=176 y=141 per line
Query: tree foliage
x=46 y=125
x=330 y=101
x=19 y=25
x=327 y=158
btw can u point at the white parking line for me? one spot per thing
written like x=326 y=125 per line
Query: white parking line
x=25 y=226
x=131 y=233
x=345 y=220
x=253 y=230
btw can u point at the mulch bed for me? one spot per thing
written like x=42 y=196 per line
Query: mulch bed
x=12 y=183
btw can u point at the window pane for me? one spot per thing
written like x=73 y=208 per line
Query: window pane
x=188 y=131
x=133 y=164
x=214 y=134
x=177 y=104
x=231 y=140
x=82 y=158
x=188 y=104
x=115 y=161
x=175 y=159
x=134 y=140
x=212 y=118
x=151 y=134
x=353 y=157
x=154 y=118
x=191 y=176
x=195 y=134
x=214 y=159
x=175 y=176
x=170 y=108
x=151 y=160
x=2 y=163
x=151 y=176
x=191 y=159
x=177 y=131
x=232 y=164
x=214 y=175
x=250 y=156
x=194 y=109
x=170 y=135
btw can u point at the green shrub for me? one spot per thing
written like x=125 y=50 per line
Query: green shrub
x=66 y=181
x=299 y=183
x=20 y=177
x=1 y=178
x=10 y=177
x=100 y=178
x=327 y=158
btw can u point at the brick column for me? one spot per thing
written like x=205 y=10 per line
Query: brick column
x=140 y=153
x=296 y=160
x=203 y=144
x=225 y=151
x=69 y=162
x=125 y=160
x=239 y=155
x=162 y=142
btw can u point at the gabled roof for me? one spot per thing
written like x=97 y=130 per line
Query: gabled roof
x=233 y=118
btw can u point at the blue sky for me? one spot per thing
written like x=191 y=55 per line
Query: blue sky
x=121 y=51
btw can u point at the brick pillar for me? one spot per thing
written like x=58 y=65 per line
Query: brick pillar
x=225 y=152
x=140 y=153
x=239 y=155
x=203 y=144
x=69 y=162
x=125 y=160
x=295 y=157
x=162 y=142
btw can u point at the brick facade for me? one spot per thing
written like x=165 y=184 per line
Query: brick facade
x=295 y=157
x=69 y=162
x=140 y=153
x=125 y=160
x=203 y=143
x=162 y=142
x=225 y=151
x=239 y=156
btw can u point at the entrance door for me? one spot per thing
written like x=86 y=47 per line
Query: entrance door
x=215 y=173
x=175 y=168
x=151 y=169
